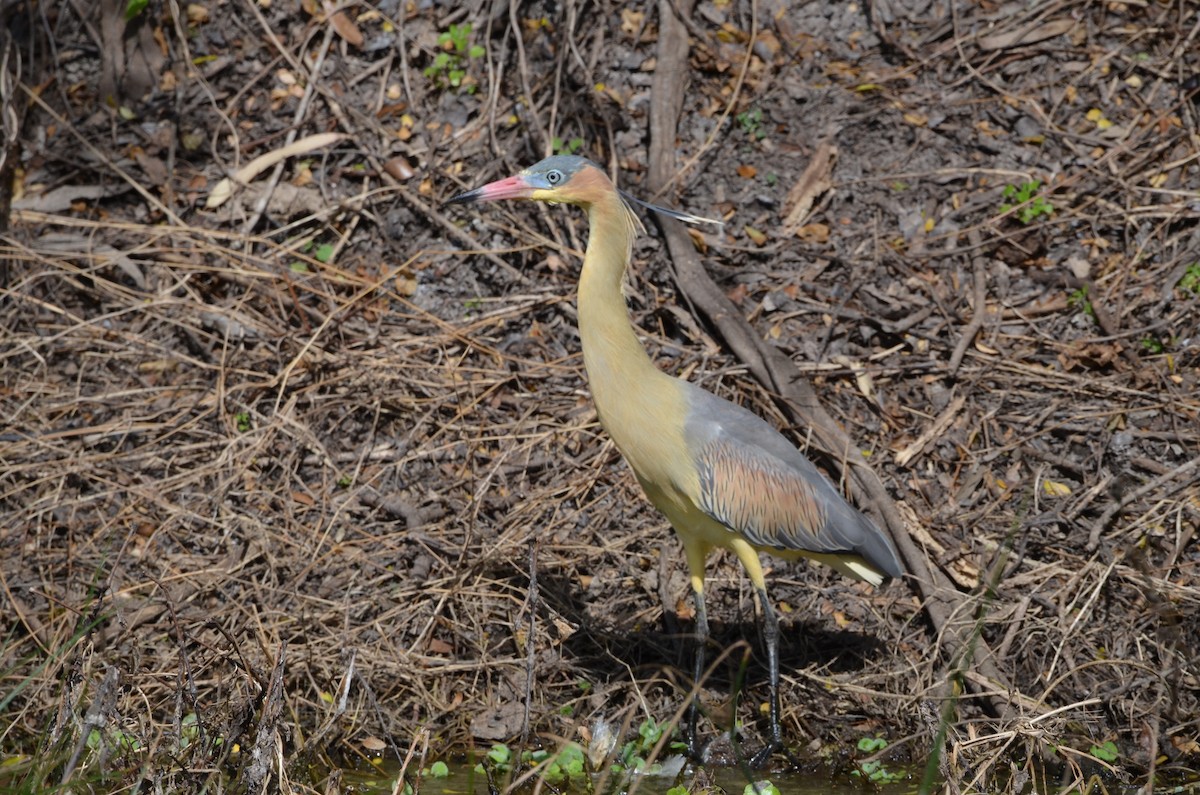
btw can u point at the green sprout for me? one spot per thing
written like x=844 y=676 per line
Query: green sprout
x=449 y=67
x=1025 y=199
x=1153 y=345
x=558 y=767
x=498 y=757
x=1190 y=281
x=568 y=148
x=874 y=770
x=134 y=9
x=1106 y=751
x=1079 y=300
x=242 y=420
x=752 y=123
x=561 y=767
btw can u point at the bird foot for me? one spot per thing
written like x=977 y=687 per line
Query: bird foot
x=695 y=749
x=762 y=757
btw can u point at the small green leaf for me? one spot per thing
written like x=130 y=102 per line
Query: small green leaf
x=650 y=733
x=1191 y=279
x=324 y=252
x=1106 y=751
x=477 y=51
x=870 y=745
x=134 y=8
x=439 y=770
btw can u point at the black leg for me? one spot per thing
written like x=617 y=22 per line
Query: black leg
x=771 y=640
x=701 y=644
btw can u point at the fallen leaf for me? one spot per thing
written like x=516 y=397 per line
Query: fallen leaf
x=863 y=379
x=767 y=46
x=758 y=237
x=631 y=21
x=59 y=199
x=95 y=253
x=1053 y=488
x=153 y=167
x=813 y=233
x=747 y=171
x=399 y=168
x=406 y=286
x=224 y=189
x=816 y=180
x=1185 y=744
x=197 y=14
x=985 y=349
x=1027 y=35
x=343 y=25
x=563 y=629
x=438 y=646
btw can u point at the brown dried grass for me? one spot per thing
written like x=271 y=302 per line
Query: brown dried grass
x=300 y=503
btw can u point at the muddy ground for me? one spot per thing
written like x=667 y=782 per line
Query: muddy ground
x=282 y=457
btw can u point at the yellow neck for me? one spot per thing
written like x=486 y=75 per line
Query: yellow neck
x=615 y=360
x=642 y=408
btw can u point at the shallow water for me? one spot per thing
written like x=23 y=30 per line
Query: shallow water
x=463 y=779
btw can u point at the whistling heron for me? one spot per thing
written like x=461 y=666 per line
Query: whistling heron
x=721 y=475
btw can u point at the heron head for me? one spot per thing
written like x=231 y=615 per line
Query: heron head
x=567 y=179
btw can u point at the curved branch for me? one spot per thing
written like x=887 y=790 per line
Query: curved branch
x=777 y=372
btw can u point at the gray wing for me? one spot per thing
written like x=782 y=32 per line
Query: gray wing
x=755 y=482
